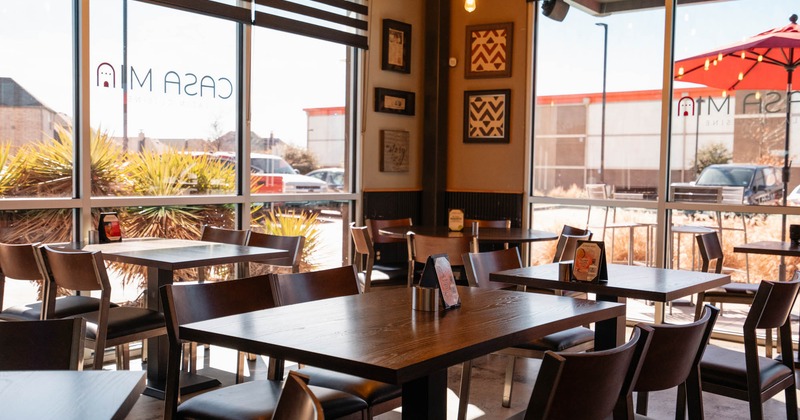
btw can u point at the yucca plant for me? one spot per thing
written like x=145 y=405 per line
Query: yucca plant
x=291 y=223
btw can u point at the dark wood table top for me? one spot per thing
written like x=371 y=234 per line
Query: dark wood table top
x=498 y=235
x=379 y=336
x=68 y=395
x=628 y=281
x=786 y=249
x=173 y=254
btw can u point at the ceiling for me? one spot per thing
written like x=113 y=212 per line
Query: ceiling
x=606 y=7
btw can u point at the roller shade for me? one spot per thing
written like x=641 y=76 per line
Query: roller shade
x=340 y=21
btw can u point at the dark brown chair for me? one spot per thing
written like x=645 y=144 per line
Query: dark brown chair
x=107 y=327
x=292 y=244
x=672 y=361
x=478 y=266
x=365 y=263
x=748 y=376
x=391 y=253
x=375 y=225
x=223 y=236
x=55 y=344
x=567 y=242
x=420 y=247
x=297 y=400
x=186 y=303
x=498 y=224
x=586 y=386
x=20 y=262
x=289 y=289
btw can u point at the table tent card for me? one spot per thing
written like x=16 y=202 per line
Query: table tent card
x=589 y=263
x=439 y=273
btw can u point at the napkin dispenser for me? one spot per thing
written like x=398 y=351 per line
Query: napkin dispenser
x=425 y=299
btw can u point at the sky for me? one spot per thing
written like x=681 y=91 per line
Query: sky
x=291 y=73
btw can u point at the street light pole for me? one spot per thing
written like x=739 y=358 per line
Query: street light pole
x=603 y=112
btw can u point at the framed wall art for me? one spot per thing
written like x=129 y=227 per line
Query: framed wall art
x=487 y=116
x=394 y=101
x=488 y=50
x=396 y=46
x=394 y=151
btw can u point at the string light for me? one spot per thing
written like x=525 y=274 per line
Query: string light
x=743 y=55
x=470 y=5
x=719 y=57
x=724 y=93
x=741 y=76
x=705 y=67
x=760 y=58
x=680 y=71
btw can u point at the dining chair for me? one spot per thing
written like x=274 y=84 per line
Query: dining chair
x=420 y=247
x=672 y=361
x=20 y=262
x=486 y=223
x=297 y=400
x=292 y=244
x=365 y=263
x=478 y=267
x=588 y=385
x=224 y=236
x=567 y=242
x=55 y=344
x=746 y=375
x=288 y=289
x=108 y=326
x=187 y=303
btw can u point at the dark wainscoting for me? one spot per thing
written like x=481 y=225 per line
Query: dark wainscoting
x=487 y=205
x=392 y=205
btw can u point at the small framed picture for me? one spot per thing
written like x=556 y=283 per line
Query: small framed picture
x=394 y=151
x=486 y=116
x=396 y=52
x=394 y=101
x=488 y=50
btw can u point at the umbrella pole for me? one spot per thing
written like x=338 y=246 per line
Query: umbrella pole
x=786 y=168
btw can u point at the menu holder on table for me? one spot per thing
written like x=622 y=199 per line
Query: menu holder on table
x=589 y=264
x=439 y=273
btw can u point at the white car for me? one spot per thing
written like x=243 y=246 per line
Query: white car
x=794 y=197
x=272 y=174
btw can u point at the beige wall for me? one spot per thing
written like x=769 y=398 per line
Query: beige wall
x=411 y=12
x=482 y=166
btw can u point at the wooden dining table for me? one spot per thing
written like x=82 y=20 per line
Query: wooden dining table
x=162 y=257
x=379 y=336
x=69 y=394
x=659 y=285
x=777 y=248
x=485 y=235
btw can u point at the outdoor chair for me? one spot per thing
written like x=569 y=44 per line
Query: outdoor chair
x=478 y=266
x=108 y=326
x=746 y=375
x=672 y=361
x=223 y=236
x=55 y=344
x=365 y=263
x=186 y=303
x=292 y=244
x=586 y=386
x=294 y=288
x=20 y=262
x=420 y=247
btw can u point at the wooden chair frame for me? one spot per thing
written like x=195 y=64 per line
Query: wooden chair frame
x=293 y=244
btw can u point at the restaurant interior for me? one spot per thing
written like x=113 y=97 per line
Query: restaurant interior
x=404 y=201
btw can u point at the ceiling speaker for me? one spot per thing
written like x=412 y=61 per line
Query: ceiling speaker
x=555 y=9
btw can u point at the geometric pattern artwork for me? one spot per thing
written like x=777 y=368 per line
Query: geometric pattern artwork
x=489 y=50
x=487 y=116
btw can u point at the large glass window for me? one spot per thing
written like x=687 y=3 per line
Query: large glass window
x=36 y=98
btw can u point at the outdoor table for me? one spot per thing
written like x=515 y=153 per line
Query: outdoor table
x=659 y=285
x=379 y=336
x=162 y=257
x=779 y=248
x=69 y=394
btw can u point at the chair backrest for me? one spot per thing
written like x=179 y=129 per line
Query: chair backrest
x=568 y=241
x=500 y=224
x=293 y=244
x=420 y=247
x=297 y=401
x=365 y=253
x=293 y=288
x=587 y=385
x=75 y=270
x=772 y=305
x=55 y=344
x=222 y=235
x=478 y=266
x=710 y=250
x=374 y=225
x=675 y=350
x=18 y=261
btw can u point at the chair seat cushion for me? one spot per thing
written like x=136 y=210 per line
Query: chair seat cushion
x=257 y=399
x=66 y=306
x=390 y=271
x=744 y=288
x=561 y=340
x=124 y=320
x=726 y=367
x=373 y=392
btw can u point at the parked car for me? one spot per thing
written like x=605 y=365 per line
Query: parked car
x=762 y=184
x=794 y=197
x=272 y=174
x=334 y=177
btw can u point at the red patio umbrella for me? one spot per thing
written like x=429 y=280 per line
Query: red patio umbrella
x=765 y=61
